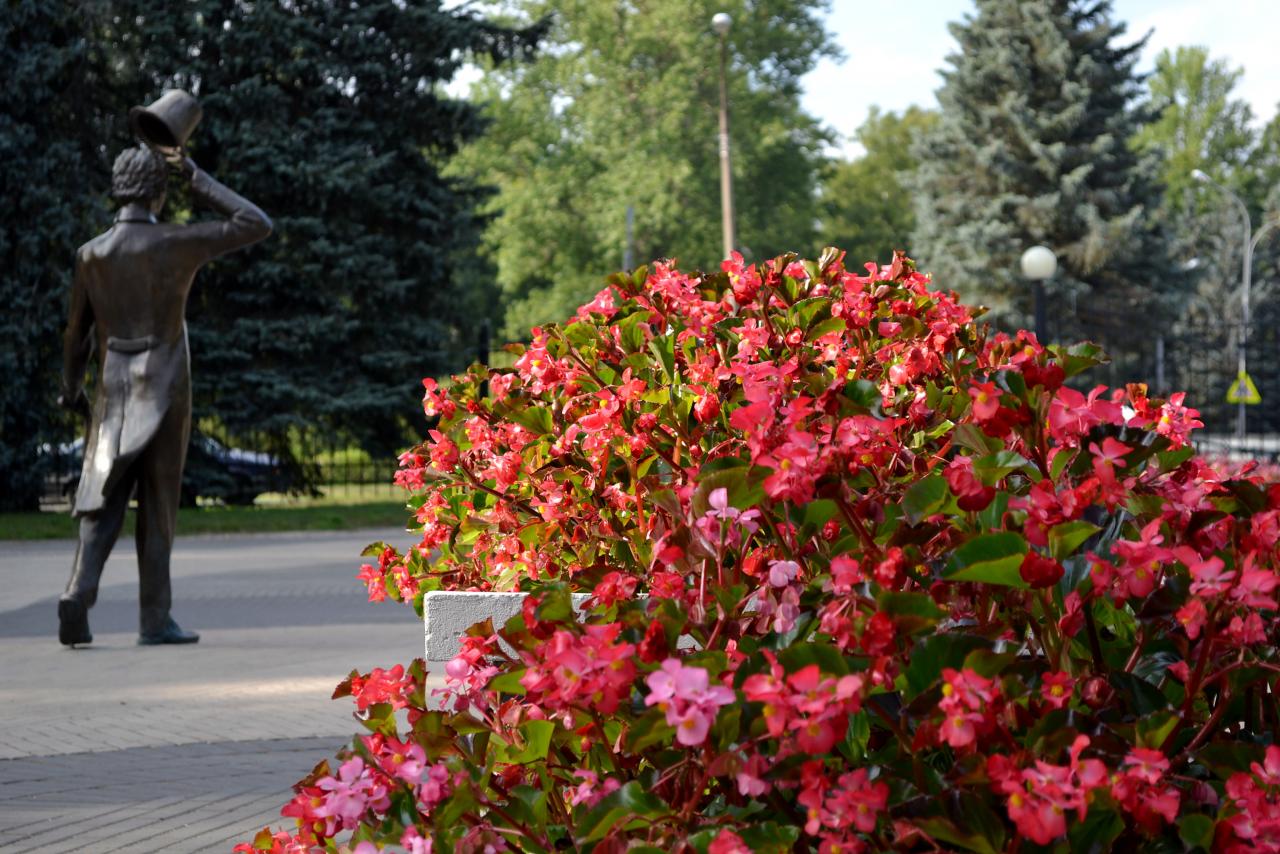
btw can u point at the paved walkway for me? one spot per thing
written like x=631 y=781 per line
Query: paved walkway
x=185 y=749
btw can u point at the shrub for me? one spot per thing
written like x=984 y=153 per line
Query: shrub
x=938 y=597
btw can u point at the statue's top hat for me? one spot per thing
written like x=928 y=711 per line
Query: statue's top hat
x=167 y=122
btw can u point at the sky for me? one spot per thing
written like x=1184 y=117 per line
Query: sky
x=894 y=49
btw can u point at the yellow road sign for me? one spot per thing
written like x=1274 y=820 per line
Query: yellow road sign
x=1243 y=390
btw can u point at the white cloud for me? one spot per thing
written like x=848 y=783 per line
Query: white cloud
x=895 y=50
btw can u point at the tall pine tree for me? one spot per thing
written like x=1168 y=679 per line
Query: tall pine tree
x=50 y=169
x=1032 y=147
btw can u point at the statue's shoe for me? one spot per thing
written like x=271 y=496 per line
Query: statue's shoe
x=171 y=633
x=73 y=623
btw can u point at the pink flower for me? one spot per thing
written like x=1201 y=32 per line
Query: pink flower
x=966 y=698
x=1140 y=789
x=591 y=791
x=380 y=686
x=351 y=793
x=845 y=572
x=374 y=581
x=1055 y=689
x=684 y=694
x=728 y=842
x=750 y=778
x=797 y=464
x=414 y=843
x=783 y=572
x=986 y=400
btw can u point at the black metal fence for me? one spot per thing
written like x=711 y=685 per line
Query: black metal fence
x=1198 y=357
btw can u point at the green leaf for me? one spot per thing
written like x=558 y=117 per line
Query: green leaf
x=911 y=612
x=944 y=831
x=1065 y=538
x=1013 y=382
x=535 y=418
x=816 y=513
x=556 y=605
x=826 y=656
x=1139 y=695
x=993 y=467
x=1196 y=831
x=971 y=436
x=665 y=349
x=743 y=485
x=1079 y=357
x=769 y=837
x=1227 y=758
x=1075 y=570
x=534 y=803
x=989 y=559
x=647 y=730
x=991 y=517
x=1153 y=729
x=616 y=809
x=935 y=653
x=537 y=740
x=809 y=309
x=826 y=327
x=507 y=683
x=1097 y=832
x=865 y=393
x=989 y=664
x=631 y=336
x=924 y=498
x=857 y=736
x=1170 y=460
x=725 y=731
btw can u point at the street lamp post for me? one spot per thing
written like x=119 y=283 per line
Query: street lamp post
x=1246 y=277
x=1038 y=264
x=721 y=23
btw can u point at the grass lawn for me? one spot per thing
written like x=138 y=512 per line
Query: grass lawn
x=343 y=511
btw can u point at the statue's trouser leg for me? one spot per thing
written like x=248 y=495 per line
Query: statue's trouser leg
x=98 y=534
x=159 y=474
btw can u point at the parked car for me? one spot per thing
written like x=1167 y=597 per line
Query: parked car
x=232 y=475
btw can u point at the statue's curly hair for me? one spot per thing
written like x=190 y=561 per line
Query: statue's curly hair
x=139 y=175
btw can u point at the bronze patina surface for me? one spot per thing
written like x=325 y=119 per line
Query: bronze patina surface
x=128 y=309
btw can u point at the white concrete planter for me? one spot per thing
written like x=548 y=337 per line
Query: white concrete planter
x=446 y=616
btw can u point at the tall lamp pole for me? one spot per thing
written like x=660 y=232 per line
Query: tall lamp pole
x=1039 y=263
x=1246 y=276
x=721 y=23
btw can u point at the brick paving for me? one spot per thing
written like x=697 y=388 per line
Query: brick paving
x=120 y=748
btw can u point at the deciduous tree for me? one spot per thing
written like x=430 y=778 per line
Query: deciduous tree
x=621 y=110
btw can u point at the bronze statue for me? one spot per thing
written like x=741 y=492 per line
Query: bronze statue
x=128 y=302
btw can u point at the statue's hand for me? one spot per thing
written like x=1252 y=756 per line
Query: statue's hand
x=77 y=403
x=178 y=160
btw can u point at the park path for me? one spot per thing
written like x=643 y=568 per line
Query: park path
x=120 y=748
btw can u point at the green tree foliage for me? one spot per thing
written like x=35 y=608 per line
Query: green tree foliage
x=49 y=166
x=1198 y=124
x=332 y=118
x=863 y=205
x=621 y=109
x=1032 y=148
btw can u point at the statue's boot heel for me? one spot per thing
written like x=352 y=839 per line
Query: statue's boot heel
x=73 y=623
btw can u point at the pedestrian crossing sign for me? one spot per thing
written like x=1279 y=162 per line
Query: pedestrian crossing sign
x=1243 y=390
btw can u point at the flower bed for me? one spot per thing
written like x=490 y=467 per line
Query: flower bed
x=941 y=598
